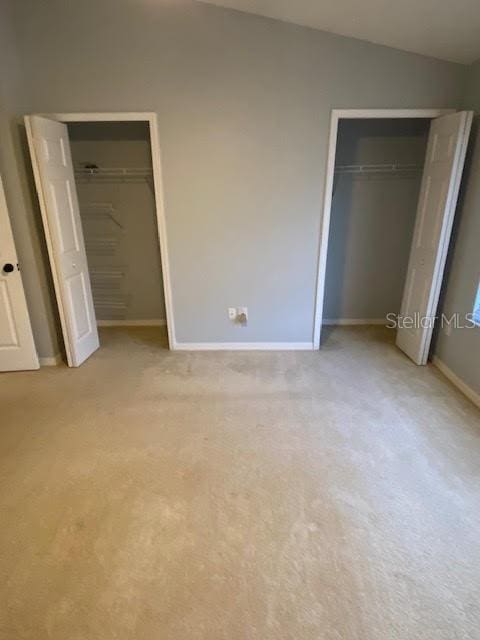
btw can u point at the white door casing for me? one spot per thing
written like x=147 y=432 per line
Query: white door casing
x=445 y=157
x=337 y=115
x=54 y=179
x=17 y=348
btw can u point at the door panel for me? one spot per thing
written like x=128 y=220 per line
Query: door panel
x=17 y=349
x=62 y=202
x=54 y=178
x=444 y=162
x=78 y=293
x=8 y=332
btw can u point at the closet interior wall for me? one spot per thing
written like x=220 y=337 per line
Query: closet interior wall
x=113 y=173
x=373 y=216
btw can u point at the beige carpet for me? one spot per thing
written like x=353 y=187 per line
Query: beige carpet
x=151 y=495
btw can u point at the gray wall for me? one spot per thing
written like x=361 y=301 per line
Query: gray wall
x=24 y=215
x=460 y=350
x=372 y=218
x=244 y=105
x=137 y=254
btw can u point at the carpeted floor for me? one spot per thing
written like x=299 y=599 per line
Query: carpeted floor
x=152 y=495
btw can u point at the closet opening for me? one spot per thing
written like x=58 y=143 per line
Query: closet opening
x=391 y=190
x=99 y=185
x=378 y=172
x=112 y=164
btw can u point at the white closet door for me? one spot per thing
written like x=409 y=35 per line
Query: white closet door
x=54 y=178
x=447 y=145
x=17 y=349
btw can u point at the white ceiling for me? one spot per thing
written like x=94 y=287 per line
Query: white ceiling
x=446 y=29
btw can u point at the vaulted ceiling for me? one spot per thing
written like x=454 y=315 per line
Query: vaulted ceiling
x=445 y=29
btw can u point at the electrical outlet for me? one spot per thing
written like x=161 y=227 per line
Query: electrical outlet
x=238 y=315
x=242 y=314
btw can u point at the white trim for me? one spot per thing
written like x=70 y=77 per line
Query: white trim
x=324 y=230
x=162 y=226
x=151 y=118
x=243 y=346
x=52 y=361
x=391 y=113
x=355 y=321
x=100 y=116
x=456 y=381
x=158 y=322
x=336 y=115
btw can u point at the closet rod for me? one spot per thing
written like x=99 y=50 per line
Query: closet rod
x=377 y=168
x=113 y=173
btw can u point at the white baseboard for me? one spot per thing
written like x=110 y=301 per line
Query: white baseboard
x=155 y=322
x=52 y=361
x=242 y=346
x=456 y=381
x=355 y=321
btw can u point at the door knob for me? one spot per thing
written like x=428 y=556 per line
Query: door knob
x=8 y=267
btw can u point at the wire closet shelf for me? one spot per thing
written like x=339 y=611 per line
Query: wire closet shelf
x=379 y=169
x=113 y=174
